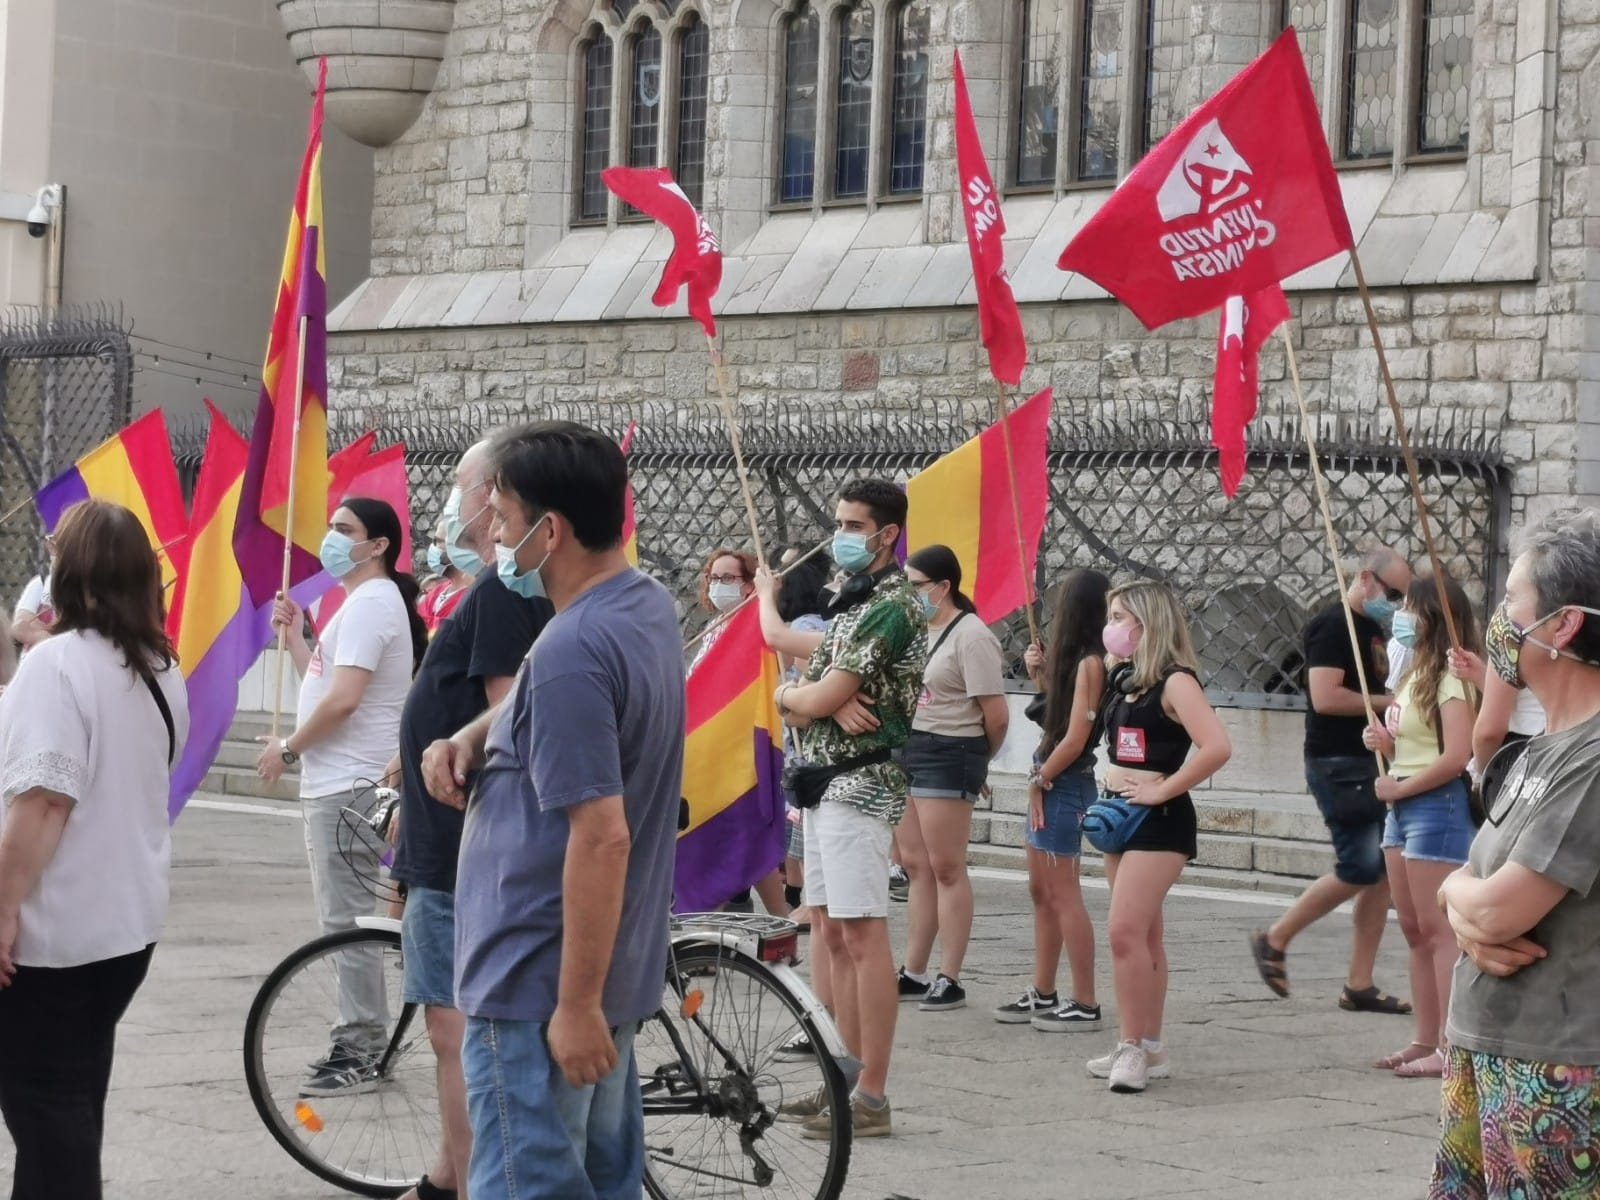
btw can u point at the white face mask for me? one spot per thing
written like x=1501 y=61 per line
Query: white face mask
x=725 y=597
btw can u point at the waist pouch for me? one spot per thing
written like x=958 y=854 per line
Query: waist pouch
x=808 y=783
x=1111 y=823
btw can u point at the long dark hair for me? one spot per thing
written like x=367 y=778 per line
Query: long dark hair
x=1077 y=632
x=107 y=580
x=940 y=565
x=380 y=521
x=800 y=593
x=1430 y=662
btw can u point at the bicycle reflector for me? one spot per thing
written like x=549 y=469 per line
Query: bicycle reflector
x=307 y=1116
x=783 y=947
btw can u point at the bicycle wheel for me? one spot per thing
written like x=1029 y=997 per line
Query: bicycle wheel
x=713 y=1082
x=375 y=1130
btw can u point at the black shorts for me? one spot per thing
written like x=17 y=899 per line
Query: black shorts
x=945 y=767
x=1171 y=827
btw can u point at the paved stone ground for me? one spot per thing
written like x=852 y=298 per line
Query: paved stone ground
x=1271 y=1100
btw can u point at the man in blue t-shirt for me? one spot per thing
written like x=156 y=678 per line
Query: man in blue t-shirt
x=564 y=888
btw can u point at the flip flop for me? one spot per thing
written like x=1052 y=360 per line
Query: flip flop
x=1370 y=999
x=1393 y=1062
x=1270 y=963
x=1429 y=1066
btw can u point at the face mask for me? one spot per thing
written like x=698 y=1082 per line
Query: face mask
x=853 y=551
x=1504 y=638
x=335 y=554
x=1381 y=610
x=1120 y=641
x=1405 y=629
x=725 y=597
x=926 y=603
x=435 y=559
x=468 y=562
x=527 y=584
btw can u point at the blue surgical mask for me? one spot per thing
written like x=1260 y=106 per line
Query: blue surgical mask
x=335 y=554
x=527 y=584
x=435 y=559
x=1381 y=609
x=925 y=602
x=852 y=552
x=462 y=559
x=1405 y=629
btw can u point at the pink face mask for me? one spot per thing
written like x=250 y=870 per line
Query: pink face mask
x=1120 y=640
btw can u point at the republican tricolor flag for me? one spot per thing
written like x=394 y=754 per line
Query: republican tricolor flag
x=1247 y=323
x=696 y=257
x=732 y=768
x=964 y=501
x=1238 y=197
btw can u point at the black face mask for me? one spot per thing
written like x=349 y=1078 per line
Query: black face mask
x=856 y=589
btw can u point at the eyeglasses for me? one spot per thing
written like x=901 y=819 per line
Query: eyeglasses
x=725 y=579
x=1393 y=594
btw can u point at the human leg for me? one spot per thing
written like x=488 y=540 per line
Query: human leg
x=866 y=941
x=1046 y=926
x=946 y=832
x=770 y=889
x=922 y=910
x=1073 y=927
x=1424 y=986
x=341 y=897
x=1142 y=881
x=1367 y=924
x=427 y=942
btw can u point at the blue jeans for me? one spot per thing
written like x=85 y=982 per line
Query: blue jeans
x=428 y=939
x=1064 y=805
x=1433 y=827
x=1343 y=790
x=534 y=1135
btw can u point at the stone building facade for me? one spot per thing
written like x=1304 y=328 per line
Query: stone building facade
x=1467 y=133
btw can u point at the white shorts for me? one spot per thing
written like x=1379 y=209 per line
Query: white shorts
x=847 y=861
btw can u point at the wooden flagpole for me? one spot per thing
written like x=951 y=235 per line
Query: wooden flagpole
x=16 y=508
x=1016 y=511
x=1333 y=539
x=288 y=522
x=1405 y=451
x=751 y=599
x=732 y=421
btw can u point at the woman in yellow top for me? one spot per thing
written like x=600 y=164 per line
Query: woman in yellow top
x=1427 y=738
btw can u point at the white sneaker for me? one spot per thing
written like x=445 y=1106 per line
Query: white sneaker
x=1157 y=1065
x=1130 y=1069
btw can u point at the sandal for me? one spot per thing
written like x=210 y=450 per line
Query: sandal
x=1370 y=999
x=428 y=1190
x=1429 y=1066
x=1393 y=1062
x=1270 y=963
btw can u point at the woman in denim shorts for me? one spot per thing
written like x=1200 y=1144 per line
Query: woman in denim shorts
x=1071 y=674
x=960 y=724
x=1427 y=739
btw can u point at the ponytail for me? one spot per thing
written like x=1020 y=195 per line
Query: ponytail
x=940 y=565
x=381 y=521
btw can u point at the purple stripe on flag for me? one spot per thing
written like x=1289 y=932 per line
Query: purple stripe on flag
x=739 y=846
x=60 y=494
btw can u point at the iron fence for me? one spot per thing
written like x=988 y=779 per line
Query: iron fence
x=66 y=384
x=1134 y=501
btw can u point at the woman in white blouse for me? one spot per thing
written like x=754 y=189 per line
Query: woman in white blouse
x=89 y=729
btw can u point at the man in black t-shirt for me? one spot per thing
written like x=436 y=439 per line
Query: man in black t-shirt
x=1340 y=773
x=470 y=665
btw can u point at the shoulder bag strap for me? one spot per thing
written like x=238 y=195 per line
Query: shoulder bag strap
x=948 y=630
x=166 y=716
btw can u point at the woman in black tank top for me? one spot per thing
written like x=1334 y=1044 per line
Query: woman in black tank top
x=1162 y=738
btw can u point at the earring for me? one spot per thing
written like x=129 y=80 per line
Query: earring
x=1554 y=654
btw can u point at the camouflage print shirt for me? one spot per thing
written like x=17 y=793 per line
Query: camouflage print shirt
x=884 y=641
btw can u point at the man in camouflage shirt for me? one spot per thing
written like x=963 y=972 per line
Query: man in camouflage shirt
x=856 y=702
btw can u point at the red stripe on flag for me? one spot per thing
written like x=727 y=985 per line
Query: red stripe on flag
x=999 y=587
x=728 y=669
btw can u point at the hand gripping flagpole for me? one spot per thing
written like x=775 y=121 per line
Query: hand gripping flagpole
x=738 y=453
x=1333 y=539
x=1405 y=451
x=288 y=525
x=1016 y=511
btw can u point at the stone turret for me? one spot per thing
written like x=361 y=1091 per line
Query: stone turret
x=383 y=58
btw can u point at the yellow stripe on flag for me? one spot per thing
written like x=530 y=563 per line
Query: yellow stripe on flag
x=108 y=475
x=946 y=505
x=212 y=559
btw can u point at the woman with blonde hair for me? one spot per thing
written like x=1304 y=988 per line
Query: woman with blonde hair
x=1155 y=713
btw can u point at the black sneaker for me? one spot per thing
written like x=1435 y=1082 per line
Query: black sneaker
x=343 y=1072
x=1069 y=1018
x=945 y=994
x=910 y=989
x=1025 y=1007
x=796 y=1049
x=899 y=883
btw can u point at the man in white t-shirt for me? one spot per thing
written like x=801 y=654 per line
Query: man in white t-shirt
x=34 y=614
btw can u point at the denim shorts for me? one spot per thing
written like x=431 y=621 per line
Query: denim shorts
x=1343 y=790
x=1433 y=827
x=428 y=947
x=945 y=768
x=1065 y=803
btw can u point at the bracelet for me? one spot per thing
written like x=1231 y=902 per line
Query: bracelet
x=783 y=707
x=1036 y=779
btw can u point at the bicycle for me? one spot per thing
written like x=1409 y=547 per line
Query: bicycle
x=739 y=1035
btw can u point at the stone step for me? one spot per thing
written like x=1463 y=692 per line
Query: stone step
x=1011 y=858
x=242 y=783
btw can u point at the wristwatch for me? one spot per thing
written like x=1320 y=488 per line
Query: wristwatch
x=289 y=756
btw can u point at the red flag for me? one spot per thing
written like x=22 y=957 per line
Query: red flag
x=1241 y=195
x=1247 y=323
x=998 y=320
x=696 y=257
x=358 y=470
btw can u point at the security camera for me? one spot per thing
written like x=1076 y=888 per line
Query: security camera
x=39 y=217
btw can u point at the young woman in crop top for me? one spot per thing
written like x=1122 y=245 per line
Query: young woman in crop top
x=1156 y=713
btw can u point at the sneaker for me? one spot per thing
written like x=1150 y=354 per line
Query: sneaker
x=1157 y=1064
x=1067 y=1018
x=806 y=1108
x=797 y=1049
x=342 y=1072
x=864 y=1122
x=944 y=994
x=899 y=883
x=910 y=989
x=1021 y=1010
x=1130 y=1068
